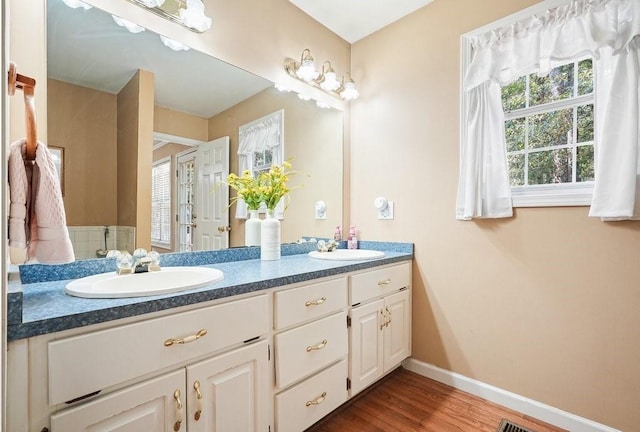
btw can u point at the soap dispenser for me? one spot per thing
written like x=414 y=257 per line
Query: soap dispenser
x=352 y=241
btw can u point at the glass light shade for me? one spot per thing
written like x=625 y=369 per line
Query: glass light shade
x=193 y=16
x=330 y=81
x=77 y=4
x=304 y=97
x=132 y=27
x=174 y=45
x=307 y=71
x=349 y=91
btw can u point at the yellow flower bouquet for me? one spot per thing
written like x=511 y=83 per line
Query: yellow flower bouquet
x=247 y=188
x=273 y=184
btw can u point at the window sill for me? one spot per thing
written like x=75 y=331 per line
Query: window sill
x=552 y=195
x=161 y=245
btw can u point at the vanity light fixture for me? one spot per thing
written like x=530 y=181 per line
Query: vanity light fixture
x=326 y=80
x=306 y=70
x=193 y=16
x=190 y=13
x=132 y=27
x=74 y=4
x=152 y=3
x=348 y=91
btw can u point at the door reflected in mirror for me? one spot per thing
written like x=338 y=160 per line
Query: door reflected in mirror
x=110 y=92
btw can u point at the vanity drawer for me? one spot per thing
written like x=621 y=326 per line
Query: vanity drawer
x=379 y=282
x=90 y=362
x=306 y=403
x=297 y=305
x=308 y=348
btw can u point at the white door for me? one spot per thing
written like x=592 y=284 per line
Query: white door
x=151 y=406
x=212 y=195
x=230 y=392
x=366 y=345
x=397 y=343
x=185 y=198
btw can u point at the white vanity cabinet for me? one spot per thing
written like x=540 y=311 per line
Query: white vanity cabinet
x=278 y=360
x=311 y=346
x=380 y=316
x=227 y=391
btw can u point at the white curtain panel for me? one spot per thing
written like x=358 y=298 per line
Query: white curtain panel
x=536 y=44
x=259 y=135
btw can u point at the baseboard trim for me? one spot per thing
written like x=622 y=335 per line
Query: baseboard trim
x=530 y=407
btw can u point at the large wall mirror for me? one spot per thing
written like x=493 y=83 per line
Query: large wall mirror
x=100 y=79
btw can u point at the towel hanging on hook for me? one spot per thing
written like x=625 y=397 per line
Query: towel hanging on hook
x=27 y=85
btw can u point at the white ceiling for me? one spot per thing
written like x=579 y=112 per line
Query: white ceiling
x=87 y=48
x=354 y=19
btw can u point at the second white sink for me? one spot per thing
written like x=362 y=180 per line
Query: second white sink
x=347 y=254
x=167 y=280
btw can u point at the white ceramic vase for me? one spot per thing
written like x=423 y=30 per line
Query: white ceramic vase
x=252 y=227
x=270 y=238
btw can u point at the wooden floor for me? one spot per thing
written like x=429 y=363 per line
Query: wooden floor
x=407 y=402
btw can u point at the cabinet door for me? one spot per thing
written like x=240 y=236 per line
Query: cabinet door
x=397 y=331
x=150 y=406
x=230 y=392
x=366 y=341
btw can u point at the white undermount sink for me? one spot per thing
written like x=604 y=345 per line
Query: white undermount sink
x=347 y=255
x=167 y=280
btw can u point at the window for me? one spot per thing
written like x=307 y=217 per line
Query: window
x=262 y=161
x=549 y=134
x=161 y=203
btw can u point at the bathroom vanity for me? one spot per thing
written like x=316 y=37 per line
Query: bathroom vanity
x=274 y=347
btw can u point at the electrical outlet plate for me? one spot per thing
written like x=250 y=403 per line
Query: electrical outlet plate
x=387 y=212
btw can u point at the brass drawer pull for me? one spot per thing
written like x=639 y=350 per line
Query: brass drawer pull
x=386 y=324
x=198 y=413
x=179 y=406
x=384 y=282
x=317 y=347
x=315 y=302
x=317 y=401
x=170 y=342
x=383 y=319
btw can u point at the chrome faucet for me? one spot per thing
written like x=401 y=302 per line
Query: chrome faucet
x=143 y=264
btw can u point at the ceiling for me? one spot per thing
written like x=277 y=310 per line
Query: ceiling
x=87 y=48
x=354 y=19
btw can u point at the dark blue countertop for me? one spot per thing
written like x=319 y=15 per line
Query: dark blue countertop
x=42 y=307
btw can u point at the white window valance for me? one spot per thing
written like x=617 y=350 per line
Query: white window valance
x=265 y=133
x=608 y=31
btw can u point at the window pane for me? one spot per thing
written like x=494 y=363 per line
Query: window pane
x=585 y=123
x=584 y=164
x=516 y=169
x=557 y=85
x=268 y=157
x=585 y=77
x=513 y=95
x=551 y=129
x=514 y=133
x=552 y=166
x=258 y=158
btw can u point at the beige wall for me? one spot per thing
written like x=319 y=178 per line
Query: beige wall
x=172 y=122
x=544 y=304
x=313 y=141
x=83 y=122
x=135 y=142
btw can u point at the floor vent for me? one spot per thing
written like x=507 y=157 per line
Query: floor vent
x=507 y=426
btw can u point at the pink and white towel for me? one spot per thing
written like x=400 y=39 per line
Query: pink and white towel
x=37 y=220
